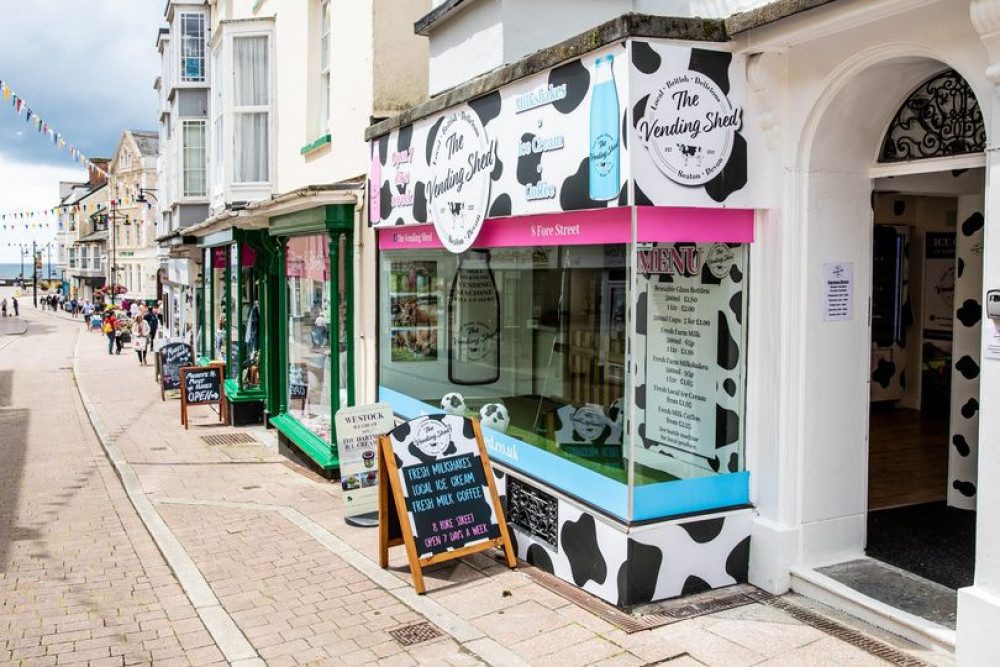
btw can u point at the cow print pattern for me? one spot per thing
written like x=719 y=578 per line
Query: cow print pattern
x=888 y=382
x=728 y=366
x=631 y=568
x=652 y=63
x=963 y=456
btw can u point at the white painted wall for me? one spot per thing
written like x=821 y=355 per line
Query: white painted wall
x=824 y=94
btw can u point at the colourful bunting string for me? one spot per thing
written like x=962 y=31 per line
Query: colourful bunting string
x=46 y=130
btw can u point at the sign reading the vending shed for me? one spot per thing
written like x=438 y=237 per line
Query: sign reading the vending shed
x=444 y=502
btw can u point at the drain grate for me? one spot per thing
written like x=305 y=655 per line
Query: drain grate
x=860 y=640
x=229 y=439
x=157 y=449
x=408 y=635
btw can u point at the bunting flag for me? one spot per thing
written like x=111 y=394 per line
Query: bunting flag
x=120 y=202
x=46 y=130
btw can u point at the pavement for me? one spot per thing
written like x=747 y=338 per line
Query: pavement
x=125 y=539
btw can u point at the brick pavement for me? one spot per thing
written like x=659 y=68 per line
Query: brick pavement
x=80 y=579
x=297 y=589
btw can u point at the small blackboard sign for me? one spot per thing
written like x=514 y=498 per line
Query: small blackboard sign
x=170 y=359
x=298 y=381
x=202 y=385
x=444 y=501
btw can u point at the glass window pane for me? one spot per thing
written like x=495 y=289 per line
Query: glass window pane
x=307 y=269
x=220 y=257
x=531 y=339
x=251 y=71
x=192 y=47
x=195 y=182
x=251 y=153
x=235 y=360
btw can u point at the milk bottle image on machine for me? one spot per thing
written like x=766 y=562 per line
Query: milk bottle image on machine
x=474 y=321
x=604 y=132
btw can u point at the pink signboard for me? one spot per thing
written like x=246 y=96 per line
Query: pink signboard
x=596 y=227
x=697 y=225
x=578 y=228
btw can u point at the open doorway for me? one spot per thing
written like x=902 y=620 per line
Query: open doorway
x=926 y=263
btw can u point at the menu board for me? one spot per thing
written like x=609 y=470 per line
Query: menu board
x=692 y=382
x=202 y=385
x=170 y=359
x=445 y=501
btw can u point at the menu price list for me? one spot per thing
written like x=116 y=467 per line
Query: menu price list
x=680 y=412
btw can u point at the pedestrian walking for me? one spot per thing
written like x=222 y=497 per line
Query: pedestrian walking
x=3 y=307
x=13 y=302
x=154 y=324
x=140 y=338
x=108 y=327
x=133 y=310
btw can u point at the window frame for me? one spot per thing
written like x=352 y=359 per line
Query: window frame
x=325 y=66
x=182 y=17
x=184 y=166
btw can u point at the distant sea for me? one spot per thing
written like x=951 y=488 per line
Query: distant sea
x=13 y=270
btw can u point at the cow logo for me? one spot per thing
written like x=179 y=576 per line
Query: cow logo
x=432 y=438
x=719 y=260
x=688 y=129
x=589 y=422
x=462 y=160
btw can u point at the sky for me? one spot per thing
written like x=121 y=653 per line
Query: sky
x=87 y=67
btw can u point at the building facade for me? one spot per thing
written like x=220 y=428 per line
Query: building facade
x=132 y=223
x=86 y=209
x=756 y=240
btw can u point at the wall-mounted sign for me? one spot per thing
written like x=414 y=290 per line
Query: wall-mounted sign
x=358 y=429
x=559 y=141
x=459 y=190
x=838 y=291
x=440 y=500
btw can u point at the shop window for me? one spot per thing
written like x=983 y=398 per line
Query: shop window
x=531 y=339
x=309 y=372
x=220 y=257
x=244 y=318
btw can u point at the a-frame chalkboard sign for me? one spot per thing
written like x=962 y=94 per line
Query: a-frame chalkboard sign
x=434 y=474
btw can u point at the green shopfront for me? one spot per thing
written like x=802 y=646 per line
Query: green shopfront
x=315 y=287
x=567 y=258
x=235 y=295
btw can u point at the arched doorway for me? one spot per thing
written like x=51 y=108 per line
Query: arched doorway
x=874 y=355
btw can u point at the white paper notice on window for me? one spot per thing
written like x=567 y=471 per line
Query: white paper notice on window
x=838 y=291
x=991 y=334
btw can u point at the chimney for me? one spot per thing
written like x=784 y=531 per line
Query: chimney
x=96 y=178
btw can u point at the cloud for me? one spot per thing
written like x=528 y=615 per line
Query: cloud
x=87 y=68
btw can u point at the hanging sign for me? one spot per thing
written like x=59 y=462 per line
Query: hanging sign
x=202 y=385
x=169 y=361
x=358 y=429
x=440 y=501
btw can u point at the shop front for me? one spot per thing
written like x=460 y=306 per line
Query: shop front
x=231 y=307
x=567 y=259
x=314 y=291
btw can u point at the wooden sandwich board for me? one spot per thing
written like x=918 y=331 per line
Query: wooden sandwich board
x=202 y=385
x=437 y=495
x=170 y=358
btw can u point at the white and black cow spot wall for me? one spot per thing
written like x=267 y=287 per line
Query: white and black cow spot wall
x=644 y=564
x=966 y=336
x=720 y=381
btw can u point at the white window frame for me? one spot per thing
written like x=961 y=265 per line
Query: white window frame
x=223 y=186
x=184 y=167
x=254 y=109
x=325 y=56
x=183 y=78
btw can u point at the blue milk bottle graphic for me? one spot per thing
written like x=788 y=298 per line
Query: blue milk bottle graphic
x=604 y=132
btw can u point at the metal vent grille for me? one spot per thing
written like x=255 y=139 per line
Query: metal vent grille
x=408 y=635
x=869 y=645
x=229 y=439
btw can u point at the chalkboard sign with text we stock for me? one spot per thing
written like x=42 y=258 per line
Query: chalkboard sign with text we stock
x=440 y=501
x=169 y=361
x=202 y=385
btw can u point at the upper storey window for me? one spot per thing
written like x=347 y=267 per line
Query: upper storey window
x=192 y=47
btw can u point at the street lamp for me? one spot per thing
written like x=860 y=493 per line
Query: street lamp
x=113 y=215
x=141 y=197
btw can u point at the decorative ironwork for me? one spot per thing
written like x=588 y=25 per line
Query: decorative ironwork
x=941 y=118
x=534 y=511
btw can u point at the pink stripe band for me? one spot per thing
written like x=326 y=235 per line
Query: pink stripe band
x=593 y=227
